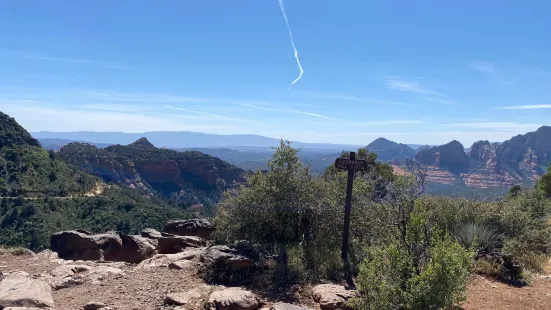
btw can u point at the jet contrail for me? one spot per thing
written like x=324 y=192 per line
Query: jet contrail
x=292 y=42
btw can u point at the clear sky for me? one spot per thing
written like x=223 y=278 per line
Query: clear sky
x=425 y=71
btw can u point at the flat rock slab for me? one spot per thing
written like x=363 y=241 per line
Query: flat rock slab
x=176 y=244
x=190 y=298
x=330 y=296
x=286 y=306
x=194 y=227
x=234 y=298
x=17 y=289
x=164 y=260
x=187 y=266
x=70 y=275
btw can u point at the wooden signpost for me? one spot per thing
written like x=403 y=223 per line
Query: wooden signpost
x=351 y=165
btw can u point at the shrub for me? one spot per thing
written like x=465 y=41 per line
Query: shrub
x=525 y=256
x=482 y=238
x=388 y=279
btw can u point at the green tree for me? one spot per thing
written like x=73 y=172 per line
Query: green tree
x=544 y=183
x=281 y=209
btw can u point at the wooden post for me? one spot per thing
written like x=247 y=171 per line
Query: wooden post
x=350 y=165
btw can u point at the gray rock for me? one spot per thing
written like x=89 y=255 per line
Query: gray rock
x=331 y=296
x=111 y=246
x=71 y=275
x=74 y=245
x=187 y=266
x=94 y=306
x=223 y=256
x=285 y=306
x=151 y=233
x=190 y=298
x=164 y=260
x=17 y=289
x=135 y=249
x=176 y=244
x=195 y=227
x=77 y=245
x=234 y=298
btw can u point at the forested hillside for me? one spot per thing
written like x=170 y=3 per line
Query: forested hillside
x=42 y=194
x=27 y=169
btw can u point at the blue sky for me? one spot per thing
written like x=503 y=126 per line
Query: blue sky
x=411 y=71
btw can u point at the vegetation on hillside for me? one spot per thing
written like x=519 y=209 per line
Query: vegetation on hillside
x=12 y=134
x=28 y=169
x=30 y=222
x=544 y=184
x=32 y=171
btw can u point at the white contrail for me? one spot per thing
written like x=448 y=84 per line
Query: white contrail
x=292 y=43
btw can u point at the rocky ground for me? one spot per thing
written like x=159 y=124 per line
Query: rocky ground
x=153 y=288
x=166 y=270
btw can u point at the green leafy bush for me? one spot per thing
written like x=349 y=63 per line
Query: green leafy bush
x=388 y=278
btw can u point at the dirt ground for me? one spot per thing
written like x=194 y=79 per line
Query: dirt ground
x=146 y=289
x=488 y=294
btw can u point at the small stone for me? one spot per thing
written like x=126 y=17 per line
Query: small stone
x=94 y=306
x=285 y=306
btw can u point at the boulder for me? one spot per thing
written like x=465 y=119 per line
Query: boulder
x=176 y=244
x=187 y=266
x=234 y=298
x=135 y=249
x=164 y=260
x=222 y=256
x=195 y=227
x=151 y=233
x=226 y=265
x=110 y=246
x=190 y=298
x=17 y=289
x=331 y=296
x=75 y=245
x=285 y=306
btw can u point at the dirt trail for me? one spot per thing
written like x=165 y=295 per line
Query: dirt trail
x=487 y=294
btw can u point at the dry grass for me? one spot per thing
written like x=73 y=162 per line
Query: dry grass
x=16 y=251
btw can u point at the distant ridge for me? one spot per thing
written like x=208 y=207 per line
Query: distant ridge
x=183 y=139
x=387 y=150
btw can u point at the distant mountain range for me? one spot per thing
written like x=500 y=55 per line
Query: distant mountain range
x=520 y=160
x=183 y=139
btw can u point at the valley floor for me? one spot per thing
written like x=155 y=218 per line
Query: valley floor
x=146 y=289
